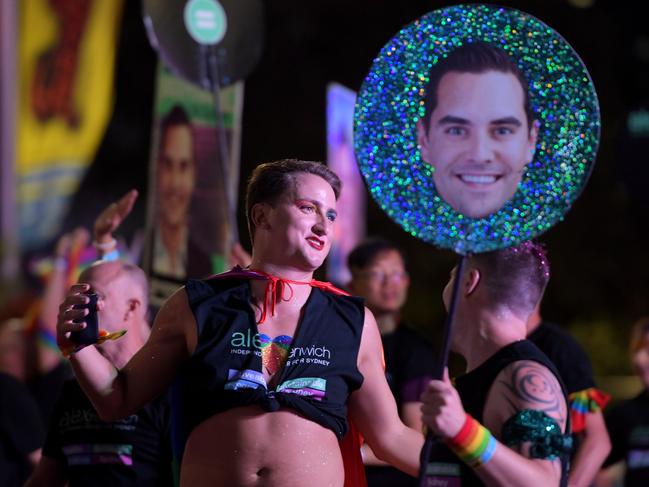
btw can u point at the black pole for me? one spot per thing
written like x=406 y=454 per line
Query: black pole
x=211 y=57
x=442 y=359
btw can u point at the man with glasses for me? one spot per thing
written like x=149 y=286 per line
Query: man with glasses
x=379 y=276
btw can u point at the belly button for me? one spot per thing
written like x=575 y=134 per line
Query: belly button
x=262 y=472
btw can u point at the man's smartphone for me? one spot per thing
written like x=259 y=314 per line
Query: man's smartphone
x=90 y=333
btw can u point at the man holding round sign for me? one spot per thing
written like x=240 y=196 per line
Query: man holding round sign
x=505 y=421
x=476 y=129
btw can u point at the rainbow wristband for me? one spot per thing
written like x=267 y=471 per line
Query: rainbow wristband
x=474 y=444
x=46 y=338
x=103 y=336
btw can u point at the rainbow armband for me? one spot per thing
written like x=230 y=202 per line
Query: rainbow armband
x=584 y=402
x=474 y=444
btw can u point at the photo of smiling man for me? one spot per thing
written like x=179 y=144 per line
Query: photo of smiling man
x=181 y=246
x=176 y=179
x=478 y=133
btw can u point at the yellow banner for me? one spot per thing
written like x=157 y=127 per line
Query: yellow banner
x=66 y=67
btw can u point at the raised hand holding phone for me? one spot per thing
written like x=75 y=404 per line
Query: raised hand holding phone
x=89 y=334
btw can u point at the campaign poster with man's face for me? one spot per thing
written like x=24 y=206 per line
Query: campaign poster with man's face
x=187 y=220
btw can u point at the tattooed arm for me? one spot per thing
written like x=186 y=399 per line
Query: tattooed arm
x=526 y=385
x=522 y=385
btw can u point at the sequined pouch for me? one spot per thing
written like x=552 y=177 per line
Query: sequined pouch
x=541 y=431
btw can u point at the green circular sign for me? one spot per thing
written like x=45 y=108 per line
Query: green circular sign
x=205 y=21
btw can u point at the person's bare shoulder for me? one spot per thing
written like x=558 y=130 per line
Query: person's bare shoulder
x=371 y=347
x=174 y=319
x=153 y=368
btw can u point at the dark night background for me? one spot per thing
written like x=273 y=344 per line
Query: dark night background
x=599 y=253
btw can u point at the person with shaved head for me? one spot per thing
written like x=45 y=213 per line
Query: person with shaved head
x=506 y=421
x=81 y=448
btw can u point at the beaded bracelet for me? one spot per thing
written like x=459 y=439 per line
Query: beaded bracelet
x=474 y=444
x=111 y=256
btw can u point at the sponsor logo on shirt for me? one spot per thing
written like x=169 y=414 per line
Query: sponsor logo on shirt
x=313 y=387
x=99 y=454
x=87 y=418
x=637 y=459
x=244 y=379
x=312 y=351
x=439 y=474
x=247 y=343
x=309 y=355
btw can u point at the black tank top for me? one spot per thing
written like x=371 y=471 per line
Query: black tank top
x=473 y=389
x=225 y=370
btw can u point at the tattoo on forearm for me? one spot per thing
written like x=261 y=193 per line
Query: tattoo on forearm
x=538 y=388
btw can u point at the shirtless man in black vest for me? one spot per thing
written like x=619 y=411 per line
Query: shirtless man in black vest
x=504 y=421
x=277 y=432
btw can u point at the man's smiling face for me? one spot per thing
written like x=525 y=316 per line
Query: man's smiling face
x=478 y=140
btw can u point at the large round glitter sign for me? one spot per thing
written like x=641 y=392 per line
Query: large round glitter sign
x=562 y=101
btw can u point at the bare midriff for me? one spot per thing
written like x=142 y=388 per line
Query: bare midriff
x=248 y=446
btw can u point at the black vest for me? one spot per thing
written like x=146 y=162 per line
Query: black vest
x=473 y=389
x=225 y=370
